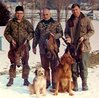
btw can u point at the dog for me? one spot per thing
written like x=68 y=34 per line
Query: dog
x=63 y=75
x=39 y=83
x=20 y=53
x=16 y=54
x=51 y=47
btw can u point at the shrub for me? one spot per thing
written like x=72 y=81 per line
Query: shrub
x=4 y=14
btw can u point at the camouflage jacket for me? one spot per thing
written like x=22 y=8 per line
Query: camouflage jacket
x=43 y=28
x=84 y=28
x=19 y=32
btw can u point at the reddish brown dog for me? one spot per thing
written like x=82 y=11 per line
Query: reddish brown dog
x=63 y=75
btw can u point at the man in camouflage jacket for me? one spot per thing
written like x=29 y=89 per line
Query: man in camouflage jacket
x=78 y=31
x=43 y=29
x=18 y=33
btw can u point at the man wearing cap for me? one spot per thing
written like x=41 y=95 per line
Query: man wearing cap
x=18 y=33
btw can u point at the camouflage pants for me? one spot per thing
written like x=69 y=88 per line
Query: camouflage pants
x=47 y=64
x=81 y=67
x=25 y=66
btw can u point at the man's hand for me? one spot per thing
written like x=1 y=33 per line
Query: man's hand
x=34 y=50
x=68 y=40
x=13 y=43
x=25 y=42
x=81 y=39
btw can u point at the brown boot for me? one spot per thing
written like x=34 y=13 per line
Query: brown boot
x=84 y=85
x=75 y=84
x=10 y=82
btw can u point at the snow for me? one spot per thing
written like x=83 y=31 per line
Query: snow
x=17 y=90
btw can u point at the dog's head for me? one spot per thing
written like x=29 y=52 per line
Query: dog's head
x=67 y=58
x=40 y=72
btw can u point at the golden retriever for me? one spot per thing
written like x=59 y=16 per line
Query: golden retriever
x=63 y=75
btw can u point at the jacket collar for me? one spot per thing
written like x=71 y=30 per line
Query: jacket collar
x=15 y=19
x=48 y=21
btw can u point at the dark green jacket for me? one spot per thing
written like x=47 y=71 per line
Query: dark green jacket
x=19 y=31
x=43 y=28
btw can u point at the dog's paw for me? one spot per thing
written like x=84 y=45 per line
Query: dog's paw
x=43 y=94
x=55 y=93
x=71 y=94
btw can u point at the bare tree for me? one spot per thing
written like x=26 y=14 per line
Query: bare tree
x=22 y=1
x=59 y=6
x=33 y=9
x=66 y=2
x=92 y=2
x=42 y=4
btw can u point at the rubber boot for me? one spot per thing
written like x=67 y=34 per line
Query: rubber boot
x=10 y=82
x=53 y=85
x=47 y=84
x=84 y=85
x=26 y=82
x=75 y=84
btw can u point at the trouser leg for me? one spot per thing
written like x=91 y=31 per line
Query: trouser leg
x=12 y=74
x=83 y=66
x=45 y=64
x=75 y=74
x=12 y=71
x=25 y=68
x=54 y=63
x=25 y=71
x=84 y=69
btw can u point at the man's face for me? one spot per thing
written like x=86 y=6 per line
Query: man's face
x=46 y=14
x=19 y=15
x=76 y=11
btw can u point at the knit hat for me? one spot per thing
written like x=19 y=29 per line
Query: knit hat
x=19 y=8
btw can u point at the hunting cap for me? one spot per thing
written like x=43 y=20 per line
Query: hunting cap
x=19 y=8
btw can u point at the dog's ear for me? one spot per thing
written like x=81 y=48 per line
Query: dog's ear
x=35 y=72
x=69 y=60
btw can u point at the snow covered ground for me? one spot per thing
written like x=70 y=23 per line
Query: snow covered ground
x=19 y=91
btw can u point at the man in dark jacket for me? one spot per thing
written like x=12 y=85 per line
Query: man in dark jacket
x=18 y=33
x=43 y=29
x=78 y=31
